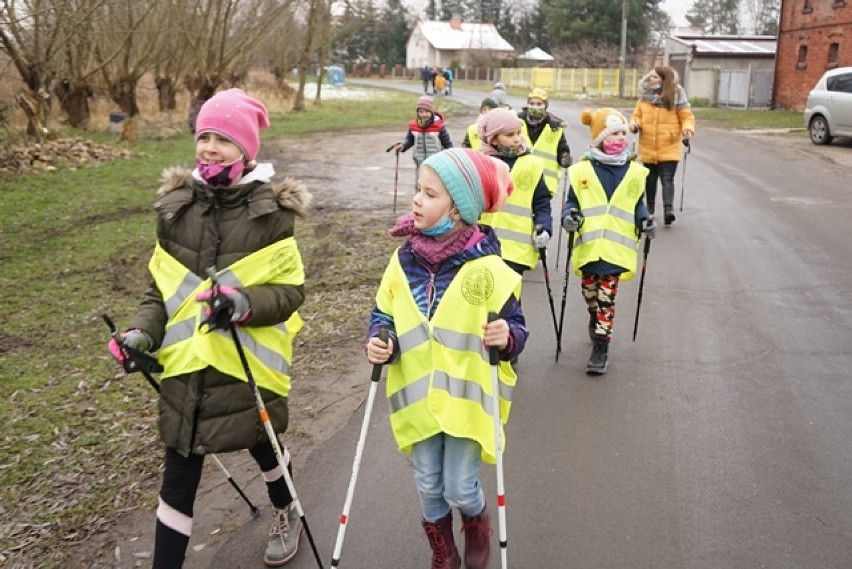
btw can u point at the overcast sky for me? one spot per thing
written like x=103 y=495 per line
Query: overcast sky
x=677 y=10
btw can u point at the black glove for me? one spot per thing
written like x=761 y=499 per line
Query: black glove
x=572 y=221
x=566 y=161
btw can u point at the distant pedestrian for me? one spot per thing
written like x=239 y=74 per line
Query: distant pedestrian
x=426 y=77
x=434 y=299
x=448 y=75
x=426 y=133
x=498 y=94
x=663 y=118
x=606 y=211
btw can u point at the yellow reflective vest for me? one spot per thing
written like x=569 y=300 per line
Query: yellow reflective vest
x=609 y=227
x=513 y=224
x=473 y=137
x=268 y=349
x=442 y=381
x=545 y=148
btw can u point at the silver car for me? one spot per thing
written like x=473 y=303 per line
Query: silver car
x=829 y=109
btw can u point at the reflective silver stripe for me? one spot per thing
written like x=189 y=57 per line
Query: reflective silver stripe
x=516 y=210
x=592 y=211
x=179 y=332
x=187 y=285
x=550 y=173
x=413 y=338
x=543 y=154
x=270 y=358
x=461 y=341
x=410 y=394
x=623 y=215
x=523 y=238
x=607 y=234
x=457 y=388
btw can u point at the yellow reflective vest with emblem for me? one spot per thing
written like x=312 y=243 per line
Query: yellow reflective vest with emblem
x=268 y=349
x=442 y=381
x=473 y=137
x=513 y=224
x=609 y=227
x=545 y=147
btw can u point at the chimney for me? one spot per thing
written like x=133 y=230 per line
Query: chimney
x=456 y=22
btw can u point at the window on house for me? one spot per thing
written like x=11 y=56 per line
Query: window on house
x=803 y=57
x=833 y=49
x=807 y=6
x=838 y=3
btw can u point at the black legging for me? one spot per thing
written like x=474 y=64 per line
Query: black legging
x=665 y=172
x=181 y=477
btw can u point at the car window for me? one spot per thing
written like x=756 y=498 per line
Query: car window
x=842 y=83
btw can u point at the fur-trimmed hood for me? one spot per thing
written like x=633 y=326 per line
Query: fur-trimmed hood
x=289 y=193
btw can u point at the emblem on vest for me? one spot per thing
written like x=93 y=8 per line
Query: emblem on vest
x=477 y=286
x=282 y=262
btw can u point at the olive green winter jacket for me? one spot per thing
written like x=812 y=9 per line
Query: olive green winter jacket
x=207 y=411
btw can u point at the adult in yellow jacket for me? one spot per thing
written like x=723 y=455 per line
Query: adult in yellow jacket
x=663 y=118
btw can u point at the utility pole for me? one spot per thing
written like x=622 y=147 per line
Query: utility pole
x=623 y=54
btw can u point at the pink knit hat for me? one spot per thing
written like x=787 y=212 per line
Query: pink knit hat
x=236 y=116
x=496 y=121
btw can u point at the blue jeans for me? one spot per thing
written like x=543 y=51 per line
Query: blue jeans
x=446 y=474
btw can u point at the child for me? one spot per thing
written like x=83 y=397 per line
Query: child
x=471 y=137
x=529 y=205
x=545 y=134
x=426 y=133
x=664 y=115
x=605 y=208
x=440 y=85
x=435 y=296
x=228 y=214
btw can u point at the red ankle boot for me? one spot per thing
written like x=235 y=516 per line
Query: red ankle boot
x=444 y=552
x=477 y=540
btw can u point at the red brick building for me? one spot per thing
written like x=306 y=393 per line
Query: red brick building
x=813 y=37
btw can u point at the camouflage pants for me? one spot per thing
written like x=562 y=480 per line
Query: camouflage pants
x=599 y=293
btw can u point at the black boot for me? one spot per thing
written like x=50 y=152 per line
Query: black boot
x=669 y=215
x=597 y=361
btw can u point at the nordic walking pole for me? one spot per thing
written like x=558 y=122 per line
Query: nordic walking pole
x=562 y=202
x=136 y=363
x=645 y=250
x=219 y=307
x=687 y=150
x=494 y=360
x=542 y=253
x=395 y=175
x=359 y=449
x=564 y=294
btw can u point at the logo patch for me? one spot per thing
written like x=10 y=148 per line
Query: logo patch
x=478 y=286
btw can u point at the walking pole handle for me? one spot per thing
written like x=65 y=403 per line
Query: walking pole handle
x=384 y=334
x=493 y=351
x=391 y=147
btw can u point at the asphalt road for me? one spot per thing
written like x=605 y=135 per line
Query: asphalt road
x=719 y=439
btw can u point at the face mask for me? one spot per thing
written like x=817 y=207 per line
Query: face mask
x=614 y=147
x=441 y=226
x=535 y=113
x=507 y=151
x=220 y=175
x=656 y=86
x=423 y=122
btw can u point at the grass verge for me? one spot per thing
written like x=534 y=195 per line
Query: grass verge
x=80 y=441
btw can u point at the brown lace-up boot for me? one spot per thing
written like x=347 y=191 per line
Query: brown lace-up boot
x=444 y=552
x=477 y=540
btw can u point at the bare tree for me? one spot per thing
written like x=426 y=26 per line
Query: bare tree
x=314 y=9
x=762 y=16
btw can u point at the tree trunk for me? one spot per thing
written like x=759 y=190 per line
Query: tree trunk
x=74 y=100
x=34 y=107
x=166 y=93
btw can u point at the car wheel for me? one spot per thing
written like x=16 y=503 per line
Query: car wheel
x=819 y=131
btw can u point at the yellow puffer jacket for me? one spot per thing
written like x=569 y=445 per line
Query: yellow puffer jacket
x=661 y=129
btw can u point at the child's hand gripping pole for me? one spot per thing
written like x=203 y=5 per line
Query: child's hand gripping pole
x=217 y=307
x=359 y=449
x=494 y=360
x=138 y=361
